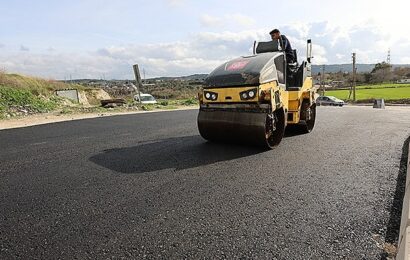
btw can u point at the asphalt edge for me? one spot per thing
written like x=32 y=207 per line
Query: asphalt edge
x=93 y=115
x=403 y=250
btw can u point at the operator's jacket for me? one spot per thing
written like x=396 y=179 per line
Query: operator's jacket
x=285 y=44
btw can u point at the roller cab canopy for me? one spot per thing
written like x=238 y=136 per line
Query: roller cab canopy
x=249 y=70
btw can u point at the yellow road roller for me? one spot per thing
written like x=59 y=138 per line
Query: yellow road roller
x=252 y=99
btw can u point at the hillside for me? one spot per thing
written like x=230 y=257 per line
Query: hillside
x=22 y=95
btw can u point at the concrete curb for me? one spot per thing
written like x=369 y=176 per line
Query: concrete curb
x=403 y=251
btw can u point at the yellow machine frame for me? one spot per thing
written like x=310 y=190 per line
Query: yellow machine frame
x=291 y=101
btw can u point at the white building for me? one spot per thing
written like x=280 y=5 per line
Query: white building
x=403 y=81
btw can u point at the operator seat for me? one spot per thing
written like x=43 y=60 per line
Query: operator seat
x=295 y=81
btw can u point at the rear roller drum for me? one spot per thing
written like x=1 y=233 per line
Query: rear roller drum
x=308 y=117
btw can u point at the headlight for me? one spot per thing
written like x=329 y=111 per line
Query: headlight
x=211 y=95
x=248 y=94
x=251 y=94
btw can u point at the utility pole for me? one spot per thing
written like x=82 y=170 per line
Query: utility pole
x=323 y=80
x=137 y=80
x=354 y=76
x=388 y=57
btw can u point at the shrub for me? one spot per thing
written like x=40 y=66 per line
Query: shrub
x=164 y=103
x=22 y=98
x=190 y=101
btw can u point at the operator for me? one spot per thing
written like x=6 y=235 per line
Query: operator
x=285 y=44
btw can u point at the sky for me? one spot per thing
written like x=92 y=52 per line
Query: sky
x=103 y=39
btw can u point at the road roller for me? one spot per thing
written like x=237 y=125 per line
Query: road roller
x=253 y=99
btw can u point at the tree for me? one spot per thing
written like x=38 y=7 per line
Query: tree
x=367 y=77
x=402 y=72
x=381 y=66
x=381 y=72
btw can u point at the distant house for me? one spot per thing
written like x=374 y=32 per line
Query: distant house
x=402 y=81
x=337 y=83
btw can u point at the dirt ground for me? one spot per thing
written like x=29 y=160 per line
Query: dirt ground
x=48 y=118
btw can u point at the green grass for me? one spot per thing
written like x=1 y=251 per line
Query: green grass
x=372 y=93
x=384 y=85
x=13 y=99
x=183 y=102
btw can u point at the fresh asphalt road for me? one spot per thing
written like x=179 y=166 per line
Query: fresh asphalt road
x=148 y=186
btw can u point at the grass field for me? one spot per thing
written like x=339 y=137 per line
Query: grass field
x=389 y=92
x=384 y=85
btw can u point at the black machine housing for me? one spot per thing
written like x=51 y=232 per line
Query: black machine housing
x=253 y=70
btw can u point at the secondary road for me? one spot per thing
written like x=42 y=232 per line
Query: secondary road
x=148 y=186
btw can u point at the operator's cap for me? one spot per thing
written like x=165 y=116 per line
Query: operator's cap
x=274 y=31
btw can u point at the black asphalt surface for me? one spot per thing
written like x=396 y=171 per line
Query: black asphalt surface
x=148 y=186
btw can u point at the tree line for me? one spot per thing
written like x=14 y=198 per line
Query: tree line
x=381 y=73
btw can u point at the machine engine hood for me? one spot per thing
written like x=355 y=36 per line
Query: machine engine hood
x=243 y=71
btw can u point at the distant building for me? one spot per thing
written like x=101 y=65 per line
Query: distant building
x=402 y=81
x=337 y=83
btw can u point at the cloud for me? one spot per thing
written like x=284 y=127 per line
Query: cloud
x=405 y=60
x=366 y=39
x=210 y=21
x=175 y=3
x=298 y=29
x=2 y=45
x=24 y=48
x=204 y=51
x=235 y=20
x=340 y=56
x=240 y=19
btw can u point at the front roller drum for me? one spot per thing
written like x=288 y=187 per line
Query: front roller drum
x=262 y=129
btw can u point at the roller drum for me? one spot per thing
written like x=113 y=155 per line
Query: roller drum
x=233 y=126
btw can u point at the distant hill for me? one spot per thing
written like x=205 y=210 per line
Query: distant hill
x=186 y=78
x=333 y=68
